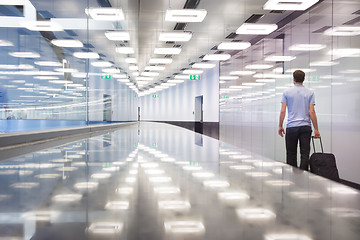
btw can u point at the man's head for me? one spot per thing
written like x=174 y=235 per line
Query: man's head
x=299 y=76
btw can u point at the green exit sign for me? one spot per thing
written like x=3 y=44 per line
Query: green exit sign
x=135 y=95
x=155 y=95
x=195 y=77
x=154 y=145
x=106 y=76
x=224 y=96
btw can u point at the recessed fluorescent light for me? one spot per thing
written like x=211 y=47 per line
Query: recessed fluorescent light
x=185 y=15
x=124 y=50
x=67 y=70
x=101 y=64
x=323 y=64
x=228 y=77
x=307 y=47
x=175 y=81
x=5 y=43
x=25 y=54
x=279 y=58
x=117 y=35
x=45 y=77
x=155 y=68
x=168 y=84
x=16 y=67
x=136 y=74
x=259 y=66
x=192 y=71
x=160 y=61
x=79 y=75
x=67 y=43
x=217 y=57
x=110 y=70
x=345 y=52
x=175 y=36
x=105 y=14
x=233 y=45
x=343 y=31
x=256 y=29
x=48 y=63
x=130 y=60
x=134 y=68
x=266 y=80
x=203 y=65
x=253 y=84
x=123 y=80
x=42 y=26
x=170 y=51
x=242 y=73
x=119 y=76
x=150 y=74
x=144 y=78
x=305 y=70
x=296 y=5
x=86 y=55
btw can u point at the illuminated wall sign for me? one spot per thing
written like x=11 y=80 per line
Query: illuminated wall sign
x=135 y=95
x=155 y=96
x=194 y=77
x=106 y=76
x=154 y=145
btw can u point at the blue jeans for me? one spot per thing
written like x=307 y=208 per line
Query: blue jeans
x=294 y=135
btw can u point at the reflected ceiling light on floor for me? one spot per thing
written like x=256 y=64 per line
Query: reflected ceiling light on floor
x=185 y=15
x=192 y=71
x=203 y=65
x=343 y=31
x=160 y=179
x=307 y=47
x=242 y=73
x=86 y=55
x=174 y=205
x=70 y=43
x=279 y=183
x=183 y=227
x=100 y=175
x=216 y=184
x=66 y=169
x=43 y=26
x=191 y=168
x=166 y=190
x=110 y=70
x=253 y=84
x=154 y=171
x=175 y=36
x=286 y=236
x=255 y=213
x=323 y=64
x=160 y=61
x=265 y=80
x=279 y=58
x=48 y=63
x=105 y=14
x=124 y=190
x=154 y=68
x=117 y=205
x=228 y=77
x=41 y=216
x=241 y=167
x=342 y=190
x=130 y=179
x=67 y=198
x=305 y=195
x=296 y=5
x=343 y=212
x=24 y=54
x=167 y=51
x=5 y=43
x=217 y=57
x=125 y=50
x=203 y=175
x=233 y=45
x=24 y=185
x=256 y=29
x=117 y=35
x=258 y=174
x=233 y=195
x=258 y=66
x=106 y=228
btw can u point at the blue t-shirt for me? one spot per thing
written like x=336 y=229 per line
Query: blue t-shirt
x=298 y=100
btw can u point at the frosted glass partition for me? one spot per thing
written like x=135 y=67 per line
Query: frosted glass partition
x=325 y=43
x=46 y=71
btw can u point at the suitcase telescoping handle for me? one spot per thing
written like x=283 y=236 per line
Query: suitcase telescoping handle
x=322 y=149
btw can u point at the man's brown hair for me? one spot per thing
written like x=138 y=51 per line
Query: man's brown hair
x=299 y=76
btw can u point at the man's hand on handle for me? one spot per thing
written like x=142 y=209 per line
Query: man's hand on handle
x=281 y=131
x=317 y=134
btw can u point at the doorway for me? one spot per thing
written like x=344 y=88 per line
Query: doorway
x=199 y=114
x=107 y=108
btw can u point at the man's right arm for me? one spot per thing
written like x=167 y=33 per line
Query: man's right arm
x=314 y=120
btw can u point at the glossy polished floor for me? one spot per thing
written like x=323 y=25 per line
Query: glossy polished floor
x=156 y=181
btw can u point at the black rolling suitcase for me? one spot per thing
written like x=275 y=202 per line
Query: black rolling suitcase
x=324 y=164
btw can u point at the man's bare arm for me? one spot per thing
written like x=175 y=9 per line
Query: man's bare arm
x=281 y=119
x=314 y=120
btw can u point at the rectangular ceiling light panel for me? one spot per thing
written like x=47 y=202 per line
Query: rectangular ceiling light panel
x=160 y=61
x=25 y=54
x=67 y=43
x=256 y=29
x=154 y=68
x=203 y=65
x=306 y=47
x=117 y=35
x=233 y=45
x=217 y=57
x=43 y=26
x=105 y=14
x=295 y=5
x=86 y=55
x=175 y=36
x=185 y=15
x=124 y=50
x=167 y=51
x=343 y=31
x=279 y=58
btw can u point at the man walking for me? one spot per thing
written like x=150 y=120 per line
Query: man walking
x=300 y=102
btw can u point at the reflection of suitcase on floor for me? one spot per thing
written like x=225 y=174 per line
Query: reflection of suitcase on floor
x=324 y=164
